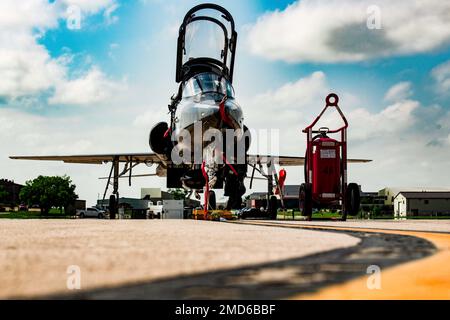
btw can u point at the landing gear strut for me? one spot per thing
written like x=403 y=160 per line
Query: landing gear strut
x=114 y=198
x=212 y=204
x=234 y=189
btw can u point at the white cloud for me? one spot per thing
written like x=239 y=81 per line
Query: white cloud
x=287 y=104
x=91 y=88
x=148 y=119
x=26 y=66
x=393 y=120
x=334 y=31
x=399 y=91
x=22 y=15
x=441 y=74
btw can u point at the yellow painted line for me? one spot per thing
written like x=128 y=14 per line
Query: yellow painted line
x=424 y=279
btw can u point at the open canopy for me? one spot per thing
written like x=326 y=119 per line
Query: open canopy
x=206 y=42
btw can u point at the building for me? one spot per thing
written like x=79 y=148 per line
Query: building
x=12 y=192
x=291 y=194
x=389 y=193
x=422 y=203
x=137 y=208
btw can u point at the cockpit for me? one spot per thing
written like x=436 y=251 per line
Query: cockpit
x=207 y=82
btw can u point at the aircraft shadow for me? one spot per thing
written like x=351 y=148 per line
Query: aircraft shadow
x=276 y=280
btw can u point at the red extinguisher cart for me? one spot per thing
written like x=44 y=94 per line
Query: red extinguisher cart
x=326 y=169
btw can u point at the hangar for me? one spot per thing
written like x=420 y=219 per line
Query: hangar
x=423 y=203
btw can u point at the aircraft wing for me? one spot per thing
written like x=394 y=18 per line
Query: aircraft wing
x=156 y=158
x=99 y=158
x=289 y=161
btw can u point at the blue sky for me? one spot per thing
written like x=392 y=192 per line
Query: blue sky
x=143 y=51
x=101 y=88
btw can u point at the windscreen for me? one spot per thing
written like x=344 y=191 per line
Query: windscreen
x=207 y=83
x=204 y=39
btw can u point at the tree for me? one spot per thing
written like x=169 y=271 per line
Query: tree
x=178 y=194
x=48 y=192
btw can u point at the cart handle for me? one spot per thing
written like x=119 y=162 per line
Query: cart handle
x=324 y=130
x=332 y=100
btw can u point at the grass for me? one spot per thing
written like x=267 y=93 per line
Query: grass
x=53 y=214
x=318 y=215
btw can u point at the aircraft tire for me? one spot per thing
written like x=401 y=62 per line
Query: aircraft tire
x=273 y=208
x=305 y=200
x=352 y=201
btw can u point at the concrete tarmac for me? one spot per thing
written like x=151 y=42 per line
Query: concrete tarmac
x=404 y=225
x=423 y=245
x=36 y=255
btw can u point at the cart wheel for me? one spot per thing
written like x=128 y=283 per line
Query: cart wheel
x=273 y=208
x=352 y=200
x=212 y=200
x=305 y=200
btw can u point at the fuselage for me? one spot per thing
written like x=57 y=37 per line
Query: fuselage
x=206 y=108
x=210 y=122
x=207 y=105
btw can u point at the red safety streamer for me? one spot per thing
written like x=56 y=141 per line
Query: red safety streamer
x=281 y=180
x=167 y=133
x=223 y=114
x=206 y=199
